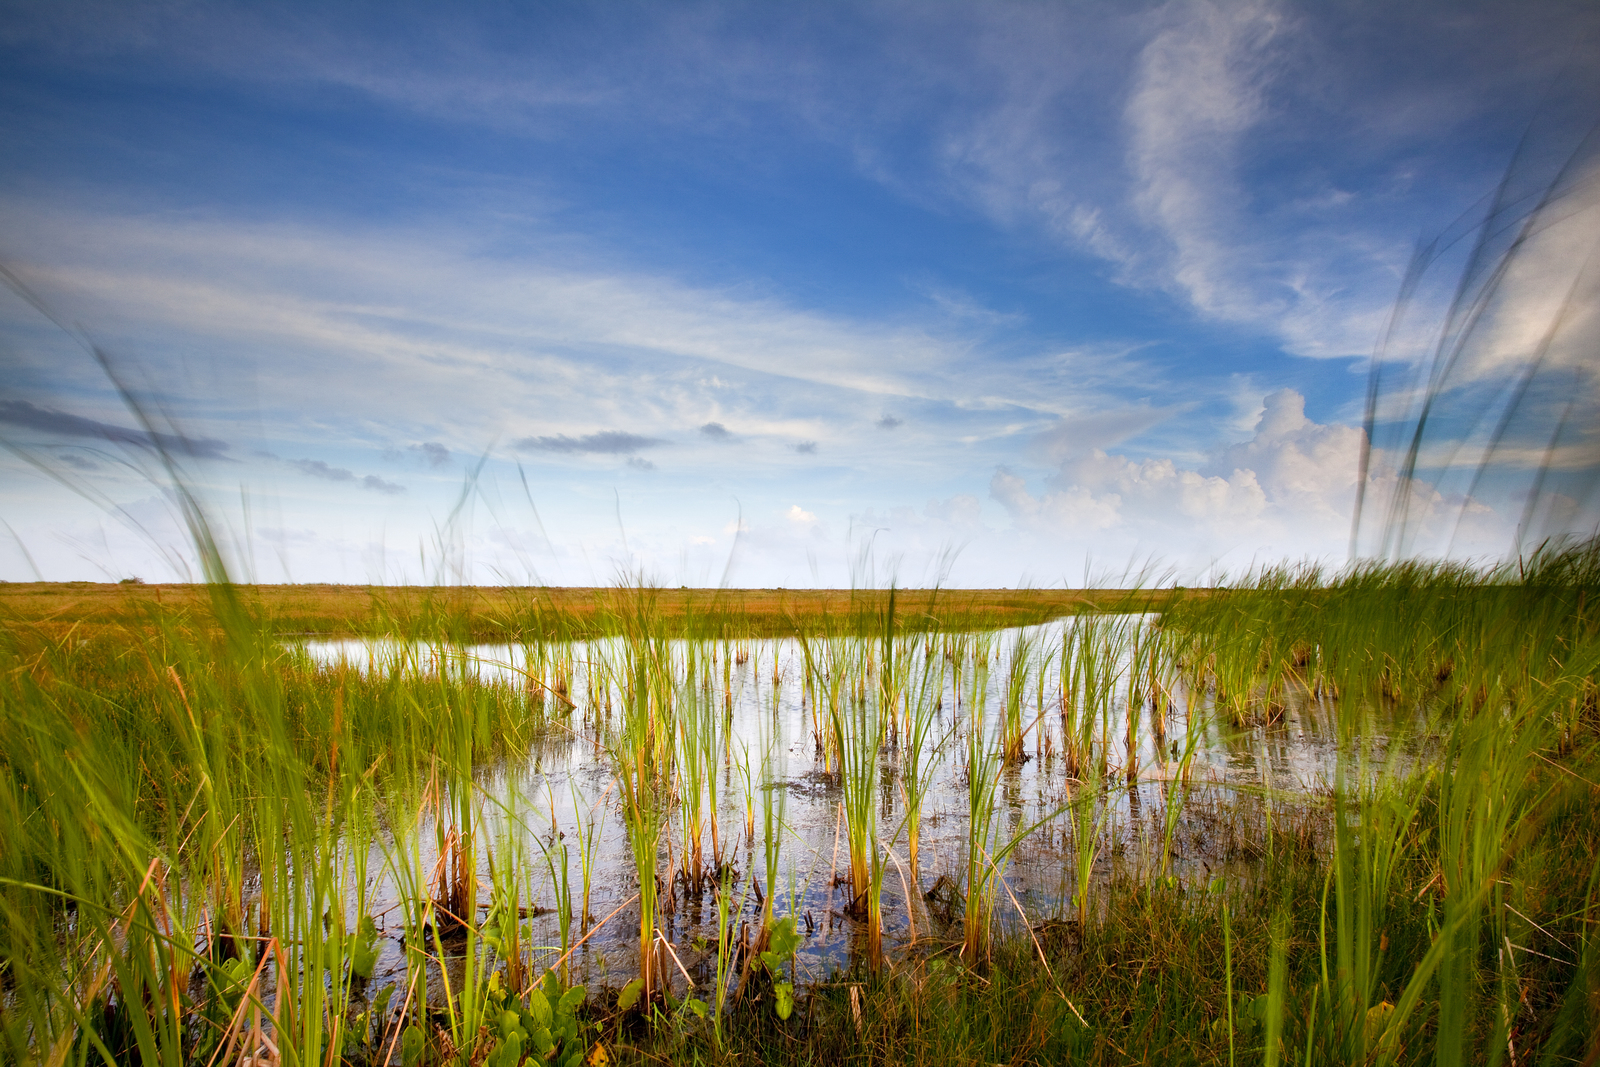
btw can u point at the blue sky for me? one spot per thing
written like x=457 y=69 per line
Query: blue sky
x=993 y=294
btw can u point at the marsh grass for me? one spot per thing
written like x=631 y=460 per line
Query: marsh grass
x=857 y=732
x=918 y=754
x=192 y=813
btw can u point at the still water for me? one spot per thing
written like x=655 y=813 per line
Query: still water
x=564 y=792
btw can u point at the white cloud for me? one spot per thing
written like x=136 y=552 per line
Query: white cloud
x=1547 y=303
x=963 y=511
x=419 y=329
x=1169 y=199
x=1287 y=491
x=1200 y=85
x=1204 y=85
x=1079 y=433
x=1309 y=469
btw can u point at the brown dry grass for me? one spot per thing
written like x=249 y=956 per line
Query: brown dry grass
x=515 y=612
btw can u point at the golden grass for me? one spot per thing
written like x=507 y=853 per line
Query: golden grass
x=513 y=612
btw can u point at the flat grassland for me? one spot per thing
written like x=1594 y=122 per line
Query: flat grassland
x=488 y=613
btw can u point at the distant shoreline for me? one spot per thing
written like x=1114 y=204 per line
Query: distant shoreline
x=511 y=613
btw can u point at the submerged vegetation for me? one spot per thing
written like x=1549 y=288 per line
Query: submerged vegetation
x=219 y=848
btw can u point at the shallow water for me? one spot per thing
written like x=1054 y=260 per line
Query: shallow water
x=1235 y=777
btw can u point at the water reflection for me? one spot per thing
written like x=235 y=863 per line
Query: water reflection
x=564 y=792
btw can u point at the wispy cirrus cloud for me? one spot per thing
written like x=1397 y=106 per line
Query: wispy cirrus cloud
x=1201 y=84
x=427 y=302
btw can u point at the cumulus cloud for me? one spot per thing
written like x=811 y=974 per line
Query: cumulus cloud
x=716 y=431
x=1291 y=487
x=889 y=422
x=639 y=463
x=806 y=448
x=1311 y=469
x=319 y=469
x=606 y=442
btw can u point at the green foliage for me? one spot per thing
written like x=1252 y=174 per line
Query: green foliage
x=542 y=1024
x=412 y=1046
x=782 y=941
x=629 y=996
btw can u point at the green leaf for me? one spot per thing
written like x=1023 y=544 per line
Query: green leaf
x=363 y=957
x=630 y=994
x=411 y=1046
x=784 y=992
x=784 y=937
x=571 y=999
x=696 y=1006
x=380 y=1004
x=230 y=979
x=539 y=1007
x=355 y=1035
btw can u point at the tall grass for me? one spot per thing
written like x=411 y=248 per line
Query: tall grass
x=641 y=755
x=191 y=815
x=856 y=731
x=1457 y=775
x=919 y=755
